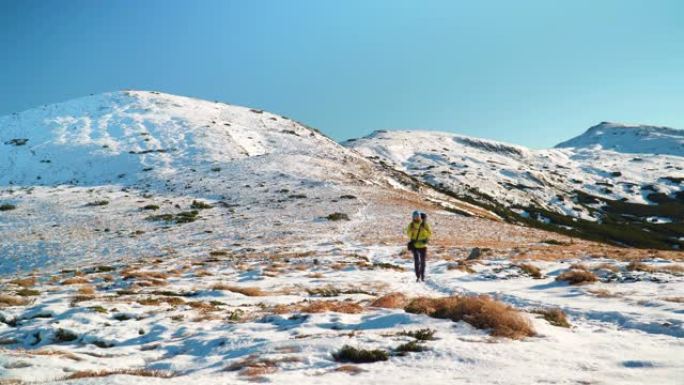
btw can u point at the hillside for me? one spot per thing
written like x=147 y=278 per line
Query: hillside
x=151 y=238
x=592 y=186
x=116 y=174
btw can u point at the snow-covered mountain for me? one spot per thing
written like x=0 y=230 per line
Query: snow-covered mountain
x=109 y=175
x=150 y=238
x=617 y=183
x=624 y=138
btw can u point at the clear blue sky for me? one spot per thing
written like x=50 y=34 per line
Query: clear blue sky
x=527 y=72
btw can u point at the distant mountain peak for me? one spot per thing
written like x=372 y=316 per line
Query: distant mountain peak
x=629 y=138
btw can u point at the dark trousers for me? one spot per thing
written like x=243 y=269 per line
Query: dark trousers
x=419 y=256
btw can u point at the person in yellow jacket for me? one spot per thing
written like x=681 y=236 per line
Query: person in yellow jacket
x=419 y=233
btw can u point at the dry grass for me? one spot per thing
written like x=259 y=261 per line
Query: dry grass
x=603 y=293
x=391 y=301
x=349 y=369
x=143 y=275
x=129 y=372
x=640 y=266
x=606 y=266
x=482 y=312
x=579 y=266
x=203 y=306
x=674 y=299
x=11 y=381
x=149 y=301
x=254 y=365
x=674 y=268
x=52 y=352
x=244 y=290
x=334 y=306
x=577 y=277
x=24 y=282
x=13 y=300
x=461 y=265
x=554 y=316
x=77 y=280
x=86 y=290
x=531 y=270
x=152 y=282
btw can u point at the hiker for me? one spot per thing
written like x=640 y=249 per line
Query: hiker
x=419 y=233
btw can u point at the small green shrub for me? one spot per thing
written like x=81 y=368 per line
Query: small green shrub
x=554 y=316
x=7 y=207
x=182 y=217
x=97 y=203
x=28 y=292
x=63 y=335
x=359 y=356
x=337 y=217
x=199 y=205
x=151 y=207
x=421 y=334
x=410 y=347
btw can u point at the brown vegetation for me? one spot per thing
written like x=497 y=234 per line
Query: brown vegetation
x=391 y=301
x=244 y=290
x=129 y=372
x=78 y=280
x=531 y=270
x=554 y=316
x=12 y=300
x=334 y=306
x=577 y=277
x=482 y=312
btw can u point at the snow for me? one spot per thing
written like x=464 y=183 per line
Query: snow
x=197 y=346
x=271 y=184
x=513 y=175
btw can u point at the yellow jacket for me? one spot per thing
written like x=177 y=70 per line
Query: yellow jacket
x=422 y=238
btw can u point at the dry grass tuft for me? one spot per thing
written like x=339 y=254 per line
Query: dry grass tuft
x=13 y=300
x=606 y=266
x=482 y=312
x=334 y=306
x=577 y=277
x=255 y=365
x=202 y=273
x=78 y=280
x=554 y=316
x=462 y=265
x=602 y=293
x=674 y=299
x=391 y=301
x=579 y=266
x=24 y=282
x=129 y=372
x=674 y=269
x=531 y=270
x=349 y=369
x=143 y=275
x=244 y=290
x=86 y=290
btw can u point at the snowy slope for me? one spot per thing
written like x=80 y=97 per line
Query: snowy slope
x=88 y=177
x=639 y=139
x=574 y=180
x=151 y=238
